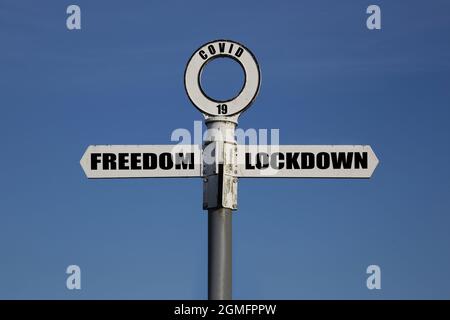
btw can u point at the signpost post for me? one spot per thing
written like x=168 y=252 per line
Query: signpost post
x=220 y=161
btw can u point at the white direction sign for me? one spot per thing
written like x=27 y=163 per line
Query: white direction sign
x=142 y=161
x=306 y=161
x=252 y=161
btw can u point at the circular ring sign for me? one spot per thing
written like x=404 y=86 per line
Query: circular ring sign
x=209 y=52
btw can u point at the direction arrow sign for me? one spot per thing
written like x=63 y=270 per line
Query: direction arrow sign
x=253 y=161
x=306 y=161
x=142 y=161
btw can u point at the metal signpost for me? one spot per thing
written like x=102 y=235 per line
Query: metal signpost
x=221 y=161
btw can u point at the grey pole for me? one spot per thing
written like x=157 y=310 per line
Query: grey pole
x=219 y=253
x=220 y=199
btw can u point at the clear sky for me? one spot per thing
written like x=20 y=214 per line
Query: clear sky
x=326 y=79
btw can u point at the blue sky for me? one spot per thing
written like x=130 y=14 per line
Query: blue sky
x=326 y=79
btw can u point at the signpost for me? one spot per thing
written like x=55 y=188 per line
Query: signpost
x=142 y=161
x=220 y=161
x=306 y=161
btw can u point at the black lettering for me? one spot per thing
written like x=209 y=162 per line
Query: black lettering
x=307 y=160
x=135 y=161
x=211 y=49
x=361 y=160
x=149 y=161
x=248 y=162
x=239 y=52
x=109 y=161
x=95 y=159
x=203 y=55
x=262 y=160
x=231 y=48
x=123 y=161
x=292 y=160
x=222 y=47
x=342 y=160
x=184 y=161
x=165 y=161
x=276 y=160
x=323 y=160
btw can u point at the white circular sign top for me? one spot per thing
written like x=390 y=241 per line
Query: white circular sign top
x=209 y=52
